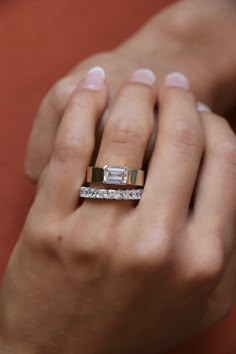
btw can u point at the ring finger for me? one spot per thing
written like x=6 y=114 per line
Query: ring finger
x=129 y=126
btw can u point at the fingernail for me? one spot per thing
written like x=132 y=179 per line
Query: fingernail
x=94 y=79
x=144 y=76
x=177 y=80
x=202 y=107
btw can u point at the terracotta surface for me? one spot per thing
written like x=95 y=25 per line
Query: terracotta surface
x=40 y=41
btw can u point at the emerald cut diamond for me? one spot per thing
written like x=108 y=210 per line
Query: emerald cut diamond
x=115 y=175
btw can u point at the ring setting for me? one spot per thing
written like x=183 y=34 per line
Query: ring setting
x=113 y=175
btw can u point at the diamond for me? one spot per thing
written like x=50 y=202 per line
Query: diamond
x=115 y=175
x=82 y=192
x=90 y=193
x=111 y=194
x=101 y=193
x=106 y=194
x=117 y=195
x=123 y=195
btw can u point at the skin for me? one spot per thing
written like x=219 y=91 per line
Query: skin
x=147 y=278
x=196 y=38
x=144 y=278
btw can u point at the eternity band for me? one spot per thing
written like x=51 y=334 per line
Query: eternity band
x=111 y=194
x=115 y=175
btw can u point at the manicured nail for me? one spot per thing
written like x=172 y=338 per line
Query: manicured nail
x=202 y=107
x=94 y=79
x=144 y=76
x=177 y=80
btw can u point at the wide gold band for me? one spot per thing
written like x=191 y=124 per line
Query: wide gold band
x=115 y=175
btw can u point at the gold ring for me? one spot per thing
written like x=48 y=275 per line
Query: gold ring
x=115 y=175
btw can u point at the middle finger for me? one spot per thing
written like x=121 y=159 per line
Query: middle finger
x=177 y=155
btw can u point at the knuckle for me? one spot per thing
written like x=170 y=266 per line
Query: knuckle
x=227 y=152
x=184 y=134
x=205 y=266
x=58 y=239
x=186 y=138
x=90 y=247
x=42 y=236
x=153 y=251
x=222 y=139
x=60 y=93
x=87 y=251
x=81 y=100
x=72 y=149
x=149 y=257
x=125 y=132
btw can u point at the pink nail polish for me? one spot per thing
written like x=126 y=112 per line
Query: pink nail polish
x=94 y=79
x=177 y=79
x=202 y=107
x=144 y=76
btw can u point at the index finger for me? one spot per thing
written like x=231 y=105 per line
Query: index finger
x=45 y=127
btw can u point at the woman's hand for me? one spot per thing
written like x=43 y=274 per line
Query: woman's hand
x=113 y=276
x=197 y=38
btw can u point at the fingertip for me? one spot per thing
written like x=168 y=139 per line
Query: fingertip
x=94 y=79
x=175 y=86
x=91 y=92
x=144 y=76
x=177 y=79
x=203 y=108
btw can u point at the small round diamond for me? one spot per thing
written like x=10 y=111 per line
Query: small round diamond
x=123 y=195
x=117 y=195
x=111 y=194
x=106 y=195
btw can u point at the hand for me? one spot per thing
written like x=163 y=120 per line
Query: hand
x=197 y=38
x=111 y=276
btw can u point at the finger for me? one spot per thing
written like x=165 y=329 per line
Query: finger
x=215 y=201
x=224 y=295
x=129 y=125
x=177 y=154
x=74 y=144
x=43 y=134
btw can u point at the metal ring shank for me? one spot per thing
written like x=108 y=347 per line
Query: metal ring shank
x=124 y=176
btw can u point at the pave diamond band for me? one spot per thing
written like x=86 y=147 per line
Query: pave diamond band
x=110 y=194
x=115 y=175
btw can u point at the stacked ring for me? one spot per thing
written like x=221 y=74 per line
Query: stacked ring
x=114 y=175
x=111 y=194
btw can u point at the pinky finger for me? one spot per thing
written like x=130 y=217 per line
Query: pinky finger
x=45 y=127
x=215 y=203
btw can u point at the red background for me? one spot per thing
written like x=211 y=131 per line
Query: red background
x=40 y=41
